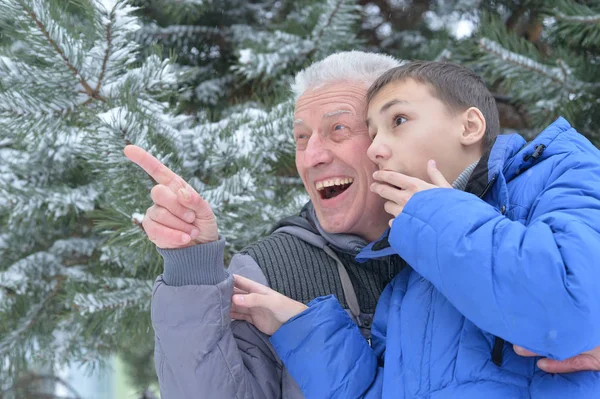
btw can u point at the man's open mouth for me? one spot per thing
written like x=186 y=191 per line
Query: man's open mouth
x=334 y=187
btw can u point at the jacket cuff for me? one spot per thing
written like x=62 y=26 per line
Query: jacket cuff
x=200 y=264
x=323 y=314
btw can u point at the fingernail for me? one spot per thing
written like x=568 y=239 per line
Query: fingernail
x=239 y=298
x=184 y=192
x=432 y=163
x=194 y=233
x=185 y=238
x=542 y=363
x=189 y=216
x=375 y=175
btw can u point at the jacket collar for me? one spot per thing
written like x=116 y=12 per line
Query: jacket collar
x=307 y=220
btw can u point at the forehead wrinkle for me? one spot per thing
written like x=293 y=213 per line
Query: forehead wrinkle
x=336 y=112
x=349 y=94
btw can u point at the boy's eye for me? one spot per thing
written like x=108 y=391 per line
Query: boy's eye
x=399 y=120
x=372 y=135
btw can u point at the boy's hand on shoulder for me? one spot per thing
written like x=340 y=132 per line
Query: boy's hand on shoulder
x=398 y=188
x=261 y=306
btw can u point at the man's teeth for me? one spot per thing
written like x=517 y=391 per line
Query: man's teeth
x=334 y=182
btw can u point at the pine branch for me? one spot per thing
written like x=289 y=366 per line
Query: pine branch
x=88 y=89
x=30 y=318
x=579 y=19
x=106 y=54
x=6 y=142
x=335 y=29
x=577 y=25
x=561 y=74
x=319 y=34
x=173 y=34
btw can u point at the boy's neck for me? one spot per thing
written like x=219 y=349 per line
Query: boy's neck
x=460 y=183
x=466 y=161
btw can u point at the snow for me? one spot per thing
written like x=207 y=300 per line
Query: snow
x=114 y=116
x=245 y=56
x=463 y=28
x=580 y=19
x=137 y=217
x=384 y=30
x=555 y=73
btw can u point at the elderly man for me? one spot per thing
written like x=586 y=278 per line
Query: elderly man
x=199 y=351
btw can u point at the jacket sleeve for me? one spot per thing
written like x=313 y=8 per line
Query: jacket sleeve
x=535 y=284
x=199 y=352
x=327 y=355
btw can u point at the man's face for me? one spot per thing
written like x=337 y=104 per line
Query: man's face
x=331 y=156
x=409 y=126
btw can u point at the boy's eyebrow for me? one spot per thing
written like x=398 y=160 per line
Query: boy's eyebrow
x=387 y=105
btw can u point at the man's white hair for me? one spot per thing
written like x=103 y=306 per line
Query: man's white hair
x=346 y=66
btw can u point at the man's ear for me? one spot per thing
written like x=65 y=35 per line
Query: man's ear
x=473 y=127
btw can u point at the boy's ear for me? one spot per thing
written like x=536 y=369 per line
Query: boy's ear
x=473 y=127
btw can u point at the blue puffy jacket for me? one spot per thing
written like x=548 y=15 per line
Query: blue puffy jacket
x=523 y=265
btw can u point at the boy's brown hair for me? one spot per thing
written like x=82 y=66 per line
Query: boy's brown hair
x=456 y=86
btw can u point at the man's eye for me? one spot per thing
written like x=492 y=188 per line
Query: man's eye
x=399 y=120
x=338 y=127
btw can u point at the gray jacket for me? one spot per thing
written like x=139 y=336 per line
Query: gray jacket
x=199 y=351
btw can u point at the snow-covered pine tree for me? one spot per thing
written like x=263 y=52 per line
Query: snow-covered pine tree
x=544 y=56
x=73 y=92
x=76 y=87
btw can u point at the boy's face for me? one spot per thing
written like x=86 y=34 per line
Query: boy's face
x=410 y=126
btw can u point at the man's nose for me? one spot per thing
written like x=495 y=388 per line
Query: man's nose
x=378 y=152
x=317 y=151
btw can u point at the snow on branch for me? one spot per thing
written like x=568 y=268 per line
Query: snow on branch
x=580 y=19
x=563 y=74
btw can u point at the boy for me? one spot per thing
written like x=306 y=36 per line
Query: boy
x=510 y=253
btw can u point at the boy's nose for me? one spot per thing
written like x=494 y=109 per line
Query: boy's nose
x=378 y=152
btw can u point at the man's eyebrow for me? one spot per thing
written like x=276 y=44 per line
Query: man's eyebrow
x=336 y=112
x=387 y=105
x=298 y=122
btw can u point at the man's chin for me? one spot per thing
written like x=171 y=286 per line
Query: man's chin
x=335 y=224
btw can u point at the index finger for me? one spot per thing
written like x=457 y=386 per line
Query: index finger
x=250 y=286
x=150 y=164
x=395 y=178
